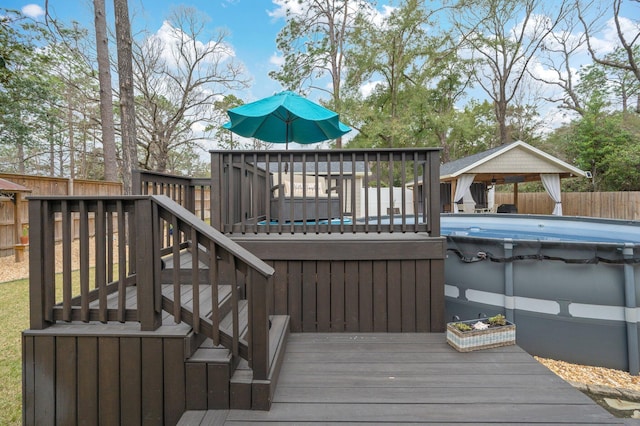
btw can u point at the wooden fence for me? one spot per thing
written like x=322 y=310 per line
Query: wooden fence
x=42 y=185
x=610 y=205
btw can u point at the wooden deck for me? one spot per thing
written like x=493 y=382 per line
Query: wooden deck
x=411 y=378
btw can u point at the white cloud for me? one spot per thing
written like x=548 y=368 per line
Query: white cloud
x=368 y=88
x=277 y=60
x=33 y=11
x=170 y=40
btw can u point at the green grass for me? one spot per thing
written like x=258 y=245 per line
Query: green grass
x=14 y=318
x=14 y=300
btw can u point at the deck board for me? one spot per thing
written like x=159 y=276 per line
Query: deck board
x=407 y=378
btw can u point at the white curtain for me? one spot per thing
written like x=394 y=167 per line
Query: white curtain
x=464 y=183
x=551 y=182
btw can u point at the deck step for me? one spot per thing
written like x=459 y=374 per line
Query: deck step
x=247 y=393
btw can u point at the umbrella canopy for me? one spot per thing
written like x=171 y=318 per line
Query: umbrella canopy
x=285 y=117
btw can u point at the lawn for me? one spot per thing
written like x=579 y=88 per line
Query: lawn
x=14 y=299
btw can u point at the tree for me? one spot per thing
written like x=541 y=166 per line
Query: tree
x=106 y=100
x=127 y=102
x=179 y=83
x=504 y=36
x=400 y=61
x=313 y=44
x=629 y=61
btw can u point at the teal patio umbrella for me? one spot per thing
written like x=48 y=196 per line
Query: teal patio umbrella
x=285 y=117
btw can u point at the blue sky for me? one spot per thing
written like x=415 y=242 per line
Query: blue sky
x=253 y=26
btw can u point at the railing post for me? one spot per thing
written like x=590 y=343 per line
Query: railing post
x=148 y=288
x=36 y=267
x=216 y=190
x=433 y=217
x=136 y=182
x=259 y=325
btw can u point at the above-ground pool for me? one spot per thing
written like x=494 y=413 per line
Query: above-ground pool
x=571 y=285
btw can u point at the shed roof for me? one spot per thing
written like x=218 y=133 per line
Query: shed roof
x=8 y=186
x=513 y=162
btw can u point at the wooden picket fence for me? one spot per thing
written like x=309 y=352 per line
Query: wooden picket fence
x=610 y=205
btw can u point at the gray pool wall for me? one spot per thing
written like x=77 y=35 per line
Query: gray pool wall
x=571 y=299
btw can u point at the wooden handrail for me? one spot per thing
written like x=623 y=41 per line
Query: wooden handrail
x=132 y=258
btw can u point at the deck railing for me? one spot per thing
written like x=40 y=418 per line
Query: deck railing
x=345 y=191
x=125 y=255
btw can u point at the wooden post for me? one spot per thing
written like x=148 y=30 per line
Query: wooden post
x=36 y=268
x=216 y=190
x=433 y=159
x=259 y=323
x=150 y=318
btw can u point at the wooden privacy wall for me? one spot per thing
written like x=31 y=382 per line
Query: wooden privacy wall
x=608 y=205
x=368 y=283
x=103 y=379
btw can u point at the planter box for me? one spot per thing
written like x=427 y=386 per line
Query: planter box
x=493 y=337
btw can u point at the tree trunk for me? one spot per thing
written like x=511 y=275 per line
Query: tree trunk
x=106 y=101
x=125 y=77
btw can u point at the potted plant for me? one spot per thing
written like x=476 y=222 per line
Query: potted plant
x=483 y=333
x=24 y=238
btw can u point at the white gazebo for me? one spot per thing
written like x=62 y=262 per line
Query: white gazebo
x=508 y=164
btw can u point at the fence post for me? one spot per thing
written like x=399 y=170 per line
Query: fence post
x=148 y=289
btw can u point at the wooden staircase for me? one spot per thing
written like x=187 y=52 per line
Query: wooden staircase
x=215 y=378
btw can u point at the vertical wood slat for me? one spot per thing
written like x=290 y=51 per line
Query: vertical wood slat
x=280 y=287
x=176 y=271
x=408 y=295
x=338 y=295
x=48 y=240
x=130 y=381
x=394 y=296
x=380 y=312
x=234 y=306
x=100 y=260
x=323 y=294
x=66 y=262
x=28 y=381
x=423 y=296
x=294 y=277
x=122 y=260
x=352 y=296
x=109 y=239
x=214 y=284
x=84 y=261
x=174 y=380
x=44 y=372
x=109 y=380
x=88 y=381
x=309 y=307
x=365 y=293
x=195 y=279
x=66 y=380
x=152 y=383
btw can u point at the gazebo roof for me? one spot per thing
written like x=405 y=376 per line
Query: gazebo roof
x=8 y=186
x=508 y=163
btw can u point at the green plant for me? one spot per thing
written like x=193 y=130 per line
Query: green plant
x=497 y=320
x=25 y=230
x=462 y=326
